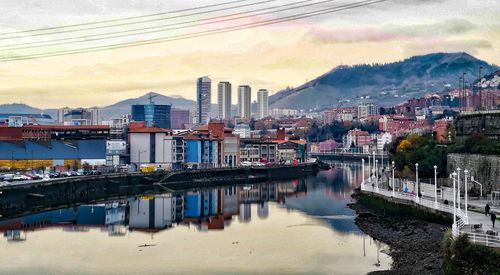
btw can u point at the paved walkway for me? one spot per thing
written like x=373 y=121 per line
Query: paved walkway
x=474 y=218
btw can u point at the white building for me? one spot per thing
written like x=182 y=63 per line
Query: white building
x=158 y=212
x=224 y=100
x=244 y=102
x=277 y=112
x=367 y=109
x=157 y=147
x=383 y=140
x=203 y=99
x=262 y=104
x=95 y=116
x=243 y=130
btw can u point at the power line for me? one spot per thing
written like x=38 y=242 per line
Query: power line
x=140 y=22
x=88 y=38
x=196 y=34
x=123 y=19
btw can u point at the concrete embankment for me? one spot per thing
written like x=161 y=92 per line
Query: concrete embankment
x=38 y=196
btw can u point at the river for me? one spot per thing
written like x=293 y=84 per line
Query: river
x=298 y=226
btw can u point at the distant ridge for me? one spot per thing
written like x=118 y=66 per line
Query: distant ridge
x=384 y=84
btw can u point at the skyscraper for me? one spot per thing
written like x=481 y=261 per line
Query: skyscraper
x=224 y=100
x=262 y=104
x=244 y=102
x=203 y=99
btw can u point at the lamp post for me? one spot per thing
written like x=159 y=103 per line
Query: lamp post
x=458 y=187
x=416 y=182
x=465 y=184
x=435 y=186
x=369 y=167
x=454 y=204
x=363 y=174
x=393 y=183
x=376 y=175
x=480 y=187
x=139 y=166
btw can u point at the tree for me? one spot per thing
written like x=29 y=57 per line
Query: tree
x=252 y=124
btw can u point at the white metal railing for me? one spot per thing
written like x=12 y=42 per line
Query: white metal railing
x=462 y=218
x=484 y=239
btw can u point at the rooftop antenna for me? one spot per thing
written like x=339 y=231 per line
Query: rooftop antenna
x=151 y=96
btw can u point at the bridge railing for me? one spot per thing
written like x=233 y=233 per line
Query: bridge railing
x=483 y=239
x=461 y=218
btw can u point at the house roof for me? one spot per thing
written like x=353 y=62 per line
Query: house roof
x=301 y=141
x=150 y=130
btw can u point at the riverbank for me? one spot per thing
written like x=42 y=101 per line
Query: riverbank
x=415 y=244
x=45 y=195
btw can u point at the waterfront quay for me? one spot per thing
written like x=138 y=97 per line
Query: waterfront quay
x=39 y=195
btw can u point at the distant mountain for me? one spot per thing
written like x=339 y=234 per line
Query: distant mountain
x=124 y=107
x=20 y=108
x=115 y=110
x=383 y=84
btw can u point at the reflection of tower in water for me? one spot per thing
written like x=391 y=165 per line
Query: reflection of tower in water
x=263 y=209
x=245 y=213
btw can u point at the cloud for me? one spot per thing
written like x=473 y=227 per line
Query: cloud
x=440 y=45
x=446 y=28
x=455 y=26
x=323 y=35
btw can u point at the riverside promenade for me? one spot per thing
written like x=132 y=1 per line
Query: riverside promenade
x=477 y=226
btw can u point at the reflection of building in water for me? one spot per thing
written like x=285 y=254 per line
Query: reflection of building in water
x=115 y=219
x=231 y=197
x=115 y=213
x=263 y=209
x=258 y=193
x=15 y=235
x=245 y=214
x=208 y=209
x=152 y=212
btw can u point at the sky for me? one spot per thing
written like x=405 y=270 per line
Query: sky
x=270 y=57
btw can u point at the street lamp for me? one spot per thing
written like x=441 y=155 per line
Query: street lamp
x=393 y=183
x=376 y=175
x=139 y=166
x=454 y=204
x=363 y=173
x=458 y=187
x=416 y=181
x=435 y=186
x=480 y=187
x=465 y=182
x=369 y=167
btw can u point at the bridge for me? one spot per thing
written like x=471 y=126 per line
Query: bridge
x=346 y=155
x=476 y=226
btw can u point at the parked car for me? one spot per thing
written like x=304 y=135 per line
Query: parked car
x=55 y=175
x=260 y=164
x=159 y=169
x=74 y=173
x=7 y=177
x=246 y=163
x=66 y=174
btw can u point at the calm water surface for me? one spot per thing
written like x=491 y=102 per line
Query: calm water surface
x=299 y=226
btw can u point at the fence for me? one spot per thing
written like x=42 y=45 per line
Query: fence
x=461 y=219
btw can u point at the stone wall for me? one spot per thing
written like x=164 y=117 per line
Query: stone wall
x=484 y=168
x=486 y=123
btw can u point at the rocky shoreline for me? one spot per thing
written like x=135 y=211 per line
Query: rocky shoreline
x=415 y=245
